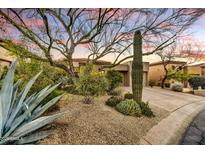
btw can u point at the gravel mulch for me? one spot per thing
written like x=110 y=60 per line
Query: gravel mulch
x=98 y=124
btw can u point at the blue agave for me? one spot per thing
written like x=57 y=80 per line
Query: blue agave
x=20 y=114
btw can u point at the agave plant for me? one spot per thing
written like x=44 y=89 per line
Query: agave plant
x=20 y=114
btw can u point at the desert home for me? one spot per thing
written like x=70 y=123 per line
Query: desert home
x=124 y=69
x=156 y=70
x=151 y=71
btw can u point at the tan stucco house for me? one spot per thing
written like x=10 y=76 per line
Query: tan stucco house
x=5 y=58
x=156 y=70
x=124 y=69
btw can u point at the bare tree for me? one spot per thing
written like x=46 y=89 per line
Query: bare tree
x=187 y=53
x=160 y=28
x=63 y=30
x=103 y=31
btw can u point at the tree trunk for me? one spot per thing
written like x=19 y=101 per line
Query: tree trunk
x=137 y=68
x=163 y=81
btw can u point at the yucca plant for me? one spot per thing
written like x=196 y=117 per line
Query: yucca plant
x=20 y=114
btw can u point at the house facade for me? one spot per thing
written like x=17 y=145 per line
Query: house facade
x=156 y=70
x=124 y=68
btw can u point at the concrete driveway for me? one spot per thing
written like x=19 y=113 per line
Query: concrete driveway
x=182 y=108
x=167 y=99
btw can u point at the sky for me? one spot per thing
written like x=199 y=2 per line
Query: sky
x=197 y=30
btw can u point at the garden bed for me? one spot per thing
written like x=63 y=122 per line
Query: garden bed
x=98 y=124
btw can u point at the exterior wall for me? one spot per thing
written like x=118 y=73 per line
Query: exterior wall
x=145 y=72
x=5 y=58
x=203 y=70
x=156 y=72
x=194 y=70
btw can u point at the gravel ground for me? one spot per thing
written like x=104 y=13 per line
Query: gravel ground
x=98 y=124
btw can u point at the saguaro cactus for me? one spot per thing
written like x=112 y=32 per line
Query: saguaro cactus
x=137 y=68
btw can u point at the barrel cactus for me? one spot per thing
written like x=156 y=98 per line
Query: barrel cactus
x=137 y=68
x=20 y=114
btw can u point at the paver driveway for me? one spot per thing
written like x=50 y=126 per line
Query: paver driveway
x=167 y=99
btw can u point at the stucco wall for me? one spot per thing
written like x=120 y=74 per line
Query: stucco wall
x=195 y=70
x=156 y=72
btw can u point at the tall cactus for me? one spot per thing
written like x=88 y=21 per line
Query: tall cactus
x=137 y=68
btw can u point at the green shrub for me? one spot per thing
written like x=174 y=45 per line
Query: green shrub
x=146 y=110
x=115 y=92
x=152 y=83
x=177 y=87
x=196 y=82
x=128 y=96
x=21 y=114
x=129 y=107
x=91 y=82
x=113 y=101
x=26 y=70
x=114 y=78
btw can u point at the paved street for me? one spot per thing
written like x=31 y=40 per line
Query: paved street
x=195 y=134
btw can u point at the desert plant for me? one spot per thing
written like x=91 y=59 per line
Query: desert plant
x=20 y=114
x=152 y=83
x=137 y=67
x=91 y=83
x=129 y=107
x=146 y=110
x=177 y=87
x=116 y=92
x=49 y=76
x=128 y=95
x=113 y=101
x=198 y=81
x=114 y=78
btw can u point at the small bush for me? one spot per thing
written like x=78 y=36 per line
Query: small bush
x=114 y=78
x=88 y=99
x=146 y=110
x=177 y=87
x=128 y=96
x=196 y=82
x=115 y=92
x=91 y=83
x=129 y=107
x=152 y=83
x=113 y=101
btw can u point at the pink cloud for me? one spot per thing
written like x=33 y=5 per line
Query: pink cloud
x=34 y=22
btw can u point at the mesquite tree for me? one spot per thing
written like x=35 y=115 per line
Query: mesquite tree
x=64 y=33
x=137 y=67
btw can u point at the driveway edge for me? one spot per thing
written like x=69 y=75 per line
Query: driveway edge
x=171 y=129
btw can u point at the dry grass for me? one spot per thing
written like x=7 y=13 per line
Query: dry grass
x=98 y=124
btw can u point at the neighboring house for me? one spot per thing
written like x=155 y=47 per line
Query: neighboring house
x=156 y=70
x=5 y=58
x=124 y=69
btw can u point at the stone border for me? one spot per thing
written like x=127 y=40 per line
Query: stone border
x=171 y=129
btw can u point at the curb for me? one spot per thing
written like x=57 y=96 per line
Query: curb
x=171 y=129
